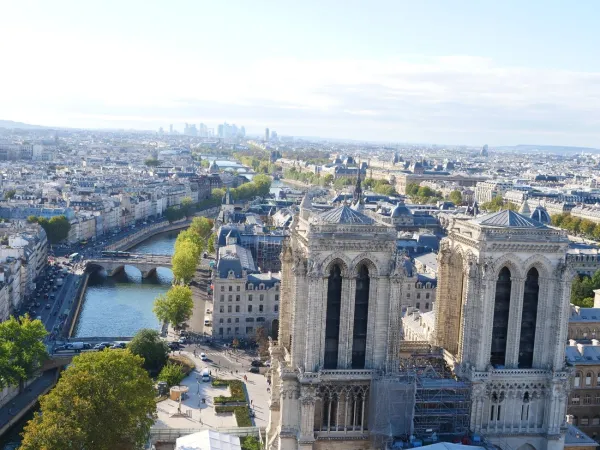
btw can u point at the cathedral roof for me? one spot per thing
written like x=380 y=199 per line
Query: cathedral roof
x=508 y=219
x=344 y=215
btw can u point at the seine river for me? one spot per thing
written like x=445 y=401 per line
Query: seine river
x=121 y=305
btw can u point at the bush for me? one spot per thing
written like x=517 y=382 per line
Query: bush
x=250 y=443
x=237 y=391
x=172 y=374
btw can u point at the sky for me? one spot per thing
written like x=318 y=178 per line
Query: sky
x=446 y=72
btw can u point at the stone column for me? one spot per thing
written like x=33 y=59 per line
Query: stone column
x=514 y=322
x=377 y=323
x=346 y=318
x=545 y=299
x=307 y=419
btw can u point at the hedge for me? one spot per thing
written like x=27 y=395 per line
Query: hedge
x=237 y=391
x=242 y=414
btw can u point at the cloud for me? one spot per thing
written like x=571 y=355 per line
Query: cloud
x=448 y=99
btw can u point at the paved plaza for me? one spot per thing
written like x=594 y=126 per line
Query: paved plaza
x=197 y=414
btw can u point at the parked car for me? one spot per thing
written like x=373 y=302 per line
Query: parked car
x=203 y=356
x=182 y=340
x=256 y=363
x=174 y=345
x=48 y=306
x=254 y=370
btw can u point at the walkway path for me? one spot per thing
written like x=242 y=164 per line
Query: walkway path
x=12 y=411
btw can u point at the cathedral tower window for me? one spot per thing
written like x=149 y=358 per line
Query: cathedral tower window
x=529 y=319
x=361 y=315
x=332 y=319
x=501 y=314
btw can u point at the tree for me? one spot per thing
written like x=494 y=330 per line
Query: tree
x=103 y=401
x=186 y=206
x=412 y=189
x=152 y=162
x=10 y=194
x=22 y=349
x=32 y=219
x=175 y=306
x=57 y=228
x=148 y=344
x=455 y=197
x=261 y=339
x=184 y=261
x=189 y=236
x=211 y=243
x=172 y=374
x=202 y=227
x=172 y=213
x=327 y=179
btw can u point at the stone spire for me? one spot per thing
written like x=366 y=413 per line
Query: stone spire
x=357 y=195
x=524 y=209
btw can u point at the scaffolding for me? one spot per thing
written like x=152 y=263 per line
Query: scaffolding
x=420 y=400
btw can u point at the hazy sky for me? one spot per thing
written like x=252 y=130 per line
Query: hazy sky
x=452 y=71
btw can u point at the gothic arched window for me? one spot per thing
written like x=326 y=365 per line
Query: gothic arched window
x=361 y=315
x=332 y=319
x=529 y=319
x=501 y=313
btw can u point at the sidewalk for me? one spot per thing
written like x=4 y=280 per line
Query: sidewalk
x=256 y=389
x=9 y=412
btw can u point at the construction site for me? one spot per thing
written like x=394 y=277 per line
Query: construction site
x=419 y=403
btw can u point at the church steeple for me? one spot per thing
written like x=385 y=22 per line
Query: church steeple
x=357 y=196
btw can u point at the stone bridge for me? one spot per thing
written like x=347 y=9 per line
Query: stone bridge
x=145 y=263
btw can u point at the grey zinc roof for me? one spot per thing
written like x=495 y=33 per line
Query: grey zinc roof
x=344 y=215
x=508 y=219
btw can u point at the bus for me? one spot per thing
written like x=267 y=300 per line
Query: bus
x=115 y=254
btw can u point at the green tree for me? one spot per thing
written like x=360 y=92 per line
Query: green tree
x=57 y=228
x=152 y=162
x=185 y=261
x=148 y=344
x=202 y=227
x=32 y=219
x=327 y=179
x=412 y=189
x=211 y=243
x=22 y=349
x=587 y=227
x=103 y=401
x=175 y=306
x=10 y=194
x=262 y=183
x=186 y=207
x=455 y=197
x=172 y=374
x=384 y=188
x=173 y=214
x=188 y=236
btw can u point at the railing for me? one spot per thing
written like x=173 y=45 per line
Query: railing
x=164 y=434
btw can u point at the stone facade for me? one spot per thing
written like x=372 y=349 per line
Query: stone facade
x=501 y=312
x=320 y=396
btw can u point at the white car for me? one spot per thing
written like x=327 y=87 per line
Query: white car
x=182 y=340
x=203 y=356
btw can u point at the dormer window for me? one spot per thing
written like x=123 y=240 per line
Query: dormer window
x=419 y=285
x=261 y=286
x=427 y=285
x=250 y=286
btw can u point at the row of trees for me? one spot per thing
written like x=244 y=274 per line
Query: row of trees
x=57 y=228
x=582 y=290
x=185 y=209
x=422 y=194
x=577 y=225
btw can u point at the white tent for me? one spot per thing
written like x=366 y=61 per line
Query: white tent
x=208 y=440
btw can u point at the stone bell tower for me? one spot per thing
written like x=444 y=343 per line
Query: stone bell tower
x=501 y=314
x=339 y=324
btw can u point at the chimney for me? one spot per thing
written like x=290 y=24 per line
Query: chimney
x=572 y=342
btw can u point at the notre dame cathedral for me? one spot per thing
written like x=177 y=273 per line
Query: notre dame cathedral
x=344 y=378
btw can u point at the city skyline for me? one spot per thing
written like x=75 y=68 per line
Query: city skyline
x=503 y=74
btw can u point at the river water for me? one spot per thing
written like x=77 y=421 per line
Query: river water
x=119 y=306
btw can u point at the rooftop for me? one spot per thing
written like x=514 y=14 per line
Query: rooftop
x=508 y=219
x=344 y=215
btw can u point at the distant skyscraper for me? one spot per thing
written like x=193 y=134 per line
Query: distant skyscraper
x=267 y=134
x=243 y=131
x=274 y=135
x=171 y=129
x=484 y=150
